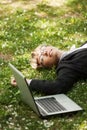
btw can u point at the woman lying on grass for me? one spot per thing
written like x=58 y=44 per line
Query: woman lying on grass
x=71 y=66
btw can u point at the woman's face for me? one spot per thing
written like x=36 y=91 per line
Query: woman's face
x=46 y=56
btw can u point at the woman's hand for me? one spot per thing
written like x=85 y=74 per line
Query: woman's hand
x=13 y=82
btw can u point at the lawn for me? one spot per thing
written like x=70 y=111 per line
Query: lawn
x=24 y=25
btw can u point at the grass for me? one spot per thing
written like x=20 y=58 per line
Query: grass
x=23 y=29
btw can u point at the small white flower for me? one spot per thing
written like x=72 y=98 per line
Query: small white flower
x=26 y=128
x=0 y=126
x=11 y=123
x=23 y=119
x=48 y=124
x=83 y=83
x=15 y=114
x=4 y=45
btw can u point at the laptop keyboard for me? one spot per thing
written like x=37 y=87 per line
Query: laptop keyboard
x=50 y=104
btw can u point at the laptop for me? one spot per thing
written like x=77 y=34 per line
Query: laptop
x=44 y=106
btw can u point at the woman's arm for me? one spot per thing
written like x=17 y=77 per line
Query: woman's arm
x=64 y=82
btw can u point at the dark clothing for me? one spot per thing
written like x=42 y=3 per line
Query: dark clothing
x=70 y=69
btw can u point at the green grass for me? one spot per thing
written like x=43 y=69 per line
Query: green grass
x=21 y=30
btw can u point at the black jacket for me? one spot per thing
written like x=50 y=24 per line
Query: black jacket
x=70 y=69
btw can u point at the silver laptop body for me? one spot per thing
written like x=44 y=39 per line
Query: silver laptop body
x=46 y=105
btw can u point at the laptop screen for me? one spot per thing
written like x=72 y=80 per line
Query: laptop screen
x=26 y=94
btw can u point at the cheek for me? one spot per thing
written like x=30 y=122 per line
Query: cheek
x=49 y=61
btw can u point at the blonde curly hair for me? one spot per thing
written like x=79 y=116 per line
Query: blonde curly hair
x=34 y=62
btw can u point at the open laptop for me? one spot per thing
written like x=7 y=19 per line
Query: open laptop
x=46 y=105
